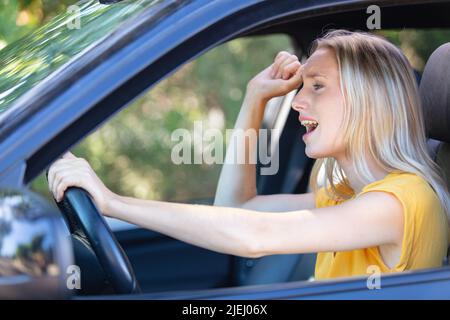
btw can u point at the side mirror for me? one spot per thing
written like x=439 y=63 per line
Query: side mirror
x=35 y=248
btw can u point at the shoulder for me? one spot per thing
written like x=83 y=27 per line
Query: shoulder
x=390 y=203
x=400 y=179
x=370 y=219
x=385 y=209
x=424 y=220
x=409 y=188
x=408 y=198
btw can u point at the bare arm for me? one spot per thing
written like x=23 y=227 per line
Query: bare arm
x=237 y=182
x=370 y=220
x=281 y=202
x=373 y=219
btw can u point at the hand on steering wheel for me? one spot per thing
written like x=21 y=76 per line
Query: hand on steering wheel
x=85 y=221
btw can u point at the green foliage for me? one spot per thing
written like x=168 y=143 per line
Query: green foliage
x=417 y=45
x=132 y=152
x=18 y=18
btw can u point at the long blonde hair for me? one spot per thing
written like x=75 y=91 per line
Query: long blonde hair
x=382 y=114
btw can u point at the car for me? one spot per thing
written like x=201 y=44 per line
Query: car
x=80 y=79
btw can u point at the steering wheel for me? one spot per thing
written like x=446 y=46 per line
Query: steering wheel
x=86 y=223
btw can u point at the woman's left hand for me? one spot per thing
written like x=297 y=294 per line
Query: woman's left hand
x=70 y=171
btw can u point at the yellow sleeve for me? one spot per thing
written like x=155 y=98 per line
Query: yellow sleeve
x=409 y=208
x=425 y=236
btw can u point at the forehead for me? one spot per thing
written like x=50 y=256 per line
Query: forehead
x=321 y=63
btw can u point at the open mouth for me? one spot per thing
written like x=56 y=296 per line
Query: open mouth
x=310 y=125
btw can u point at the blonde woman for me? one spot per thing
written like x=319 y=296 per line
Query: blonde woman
x=383 y=202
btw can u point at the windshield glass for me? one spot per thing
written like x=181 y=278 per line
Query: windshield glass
x=26 y=62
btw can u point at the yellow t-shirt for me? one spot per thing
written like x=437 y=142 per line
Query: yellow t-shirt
x=425 y=236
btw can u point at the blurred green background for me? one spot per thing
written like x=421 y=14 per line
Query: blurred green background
x=18 y=18
x=132 y=152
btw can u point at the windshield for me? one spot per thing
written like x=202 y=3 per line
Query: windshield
x=26 y=62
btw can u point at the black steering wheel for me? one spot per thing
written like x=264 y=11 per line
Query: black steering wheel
x=86 y=223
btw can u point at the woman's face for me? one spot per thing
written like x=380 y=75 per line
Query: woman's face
x=320 y=99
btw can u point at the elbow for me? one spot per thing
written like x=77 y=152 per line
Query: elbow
x=253 y=249
x=245 y=248
x=254 y=255
x=254 y=237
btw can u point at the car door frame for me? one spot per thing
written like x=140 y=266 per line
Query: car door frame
x=426 y=284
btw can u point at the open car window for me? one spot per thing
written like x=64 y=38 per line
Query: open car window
x=134 y=154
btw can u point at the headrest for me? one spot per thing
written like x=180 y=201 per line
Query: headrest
x=435 y=93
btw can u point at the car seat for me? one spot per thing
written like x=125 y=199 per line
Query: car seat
x=435 y=94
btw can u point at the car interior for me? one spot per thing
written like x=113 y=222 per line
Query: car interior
x=163 y=264
x=156 y=259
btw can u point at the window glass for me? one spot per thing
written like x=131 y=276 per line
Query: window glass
x=132 y=153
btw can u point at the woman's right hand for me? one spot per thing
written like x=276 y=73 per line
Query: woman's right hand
x=70 y=171
x=281 y=77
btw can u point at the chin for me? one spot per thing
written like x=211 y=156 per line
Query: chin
x=315 y=154
x=310 y=153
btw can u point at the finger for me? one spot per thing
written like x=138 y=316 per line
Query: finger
x=296 y=79
x=281 y=56
x=290 y=69
x=59 y=176
x=67 y=181
x=51 y=174
x=285 y=64
x=62 y=186
x=57 y=166
x=279 y=66
x=272 y=70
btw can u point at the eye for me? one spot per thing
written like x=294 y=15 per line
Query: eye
x=317 y=86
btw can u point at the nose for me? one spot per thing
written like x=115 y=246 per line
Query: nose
x=299 y=103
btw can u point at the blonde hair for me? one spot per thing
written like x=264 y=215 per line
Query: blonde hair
x=382 y=115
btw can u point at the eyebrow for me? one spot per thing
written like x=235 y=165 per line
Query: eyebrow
x=314 y=74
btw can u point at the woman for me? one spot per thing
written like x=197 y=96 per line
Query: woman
x=384 y=203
